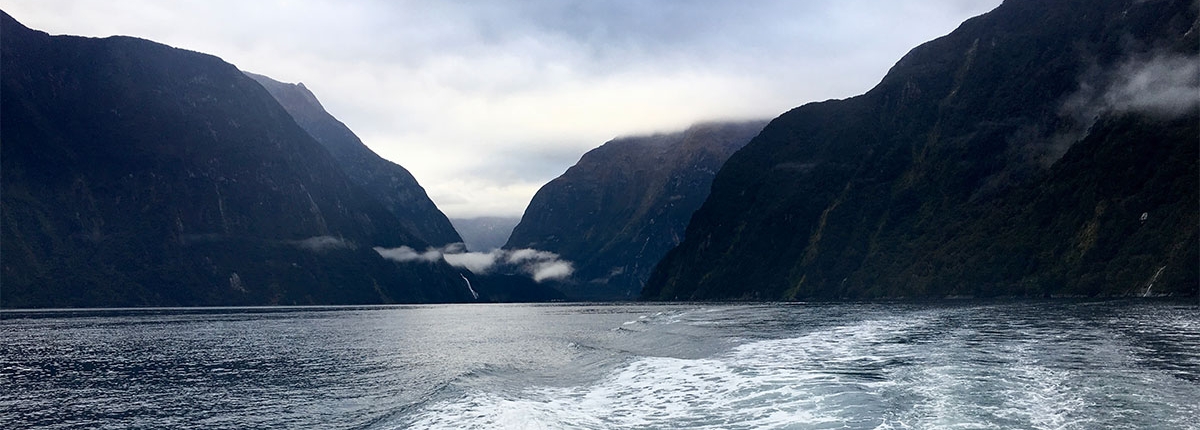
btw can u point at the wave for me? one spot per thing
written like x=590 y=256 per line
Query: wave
x=822 y=377
x=945 y=369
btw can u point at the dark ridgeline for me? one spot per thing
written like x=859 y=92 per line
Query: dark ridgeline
x=137 y=174
x=625 y=204
x=383 y=180
x=999 y=160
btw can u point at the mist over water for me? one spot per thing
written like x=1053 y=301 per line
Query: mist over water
x=1066 y=365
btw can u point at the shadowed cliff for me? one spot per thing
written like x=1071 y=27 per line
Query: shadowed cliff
x=136 y=174
x=1045 y=148
x=387 y=182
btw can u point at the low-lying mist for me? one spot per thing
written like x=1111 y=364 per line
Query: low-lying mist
x=537 y=264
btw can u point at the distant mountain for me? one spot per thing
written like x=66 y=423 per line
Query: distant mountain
x=1048 y=147
x=384 y=180
x=485 y=233
x=618 y=210
x=136 y=174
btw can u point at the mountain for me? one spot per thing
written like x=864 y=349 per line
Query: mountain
x=1048 y=147
x=384 y=180
x=618 y=210
x=136 y=174
x=400 y=193
x=485 y=233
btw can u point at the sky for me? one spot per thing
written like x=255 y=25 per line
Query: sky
x=486 y=101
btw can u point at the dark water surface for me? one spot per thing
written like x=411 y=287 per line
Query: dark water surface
x=1051 y=365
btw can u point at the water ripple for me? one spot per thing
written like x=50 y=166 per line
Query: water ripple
x=1039 y=365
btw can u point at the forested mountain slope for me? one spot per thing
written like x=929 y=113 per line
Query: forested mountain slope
x=1048 y=147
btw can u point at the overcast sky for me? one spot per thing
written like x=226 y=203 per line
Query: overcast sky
x=485 y=101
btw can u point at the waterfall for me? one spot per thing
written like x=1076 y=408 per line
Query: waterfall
x=476 y=295
x=1151 y=284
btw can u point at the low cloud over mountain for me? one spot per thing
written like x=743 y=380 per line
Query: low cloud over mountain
x=536 y=264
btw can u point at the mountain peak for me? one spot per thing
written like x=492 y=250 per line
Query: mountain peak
x=288 y=94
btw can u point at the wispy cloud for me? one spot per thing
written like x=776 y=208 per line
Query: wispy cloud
x=1164 y=85
x=538 y=265
x=405 y=254
x=554 y=269
x=476 y=262
x=1159 y=84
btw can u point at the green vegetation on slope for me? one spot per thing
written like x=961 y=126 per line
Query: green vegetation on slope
x=1011 y=157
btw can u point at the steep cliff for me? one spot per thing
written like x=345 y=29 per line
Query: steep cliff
x=1048 y=147
x=384 y=180
x=137 y=174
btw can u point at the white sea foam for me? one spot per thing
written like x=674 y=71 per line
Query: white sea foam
x=1012 y=383
x=829 y=378
x=942 y=370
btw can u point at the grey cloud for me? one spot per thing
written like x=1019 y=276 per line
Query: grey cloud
x=530 y=85
x=603 y=37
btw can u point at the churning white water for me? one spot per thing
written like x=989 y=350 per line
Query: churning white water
x=953 y=367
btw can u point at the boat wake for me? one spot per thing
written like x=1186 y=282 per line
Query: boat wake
x=915 y=371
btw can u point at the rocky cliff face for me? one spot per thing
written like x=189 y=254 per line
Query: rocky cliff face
x=137 y=174
x=387 y=182
x=1045 y=148
x=624 y=204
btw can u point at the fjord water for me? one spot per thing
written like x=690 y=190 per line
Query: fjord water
x=1069 y=365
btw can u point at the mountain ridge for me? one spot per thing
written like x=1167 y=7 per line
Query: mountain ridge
x=625 y=203
x=386 y=181
x=901 y=191
x=136 y=174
